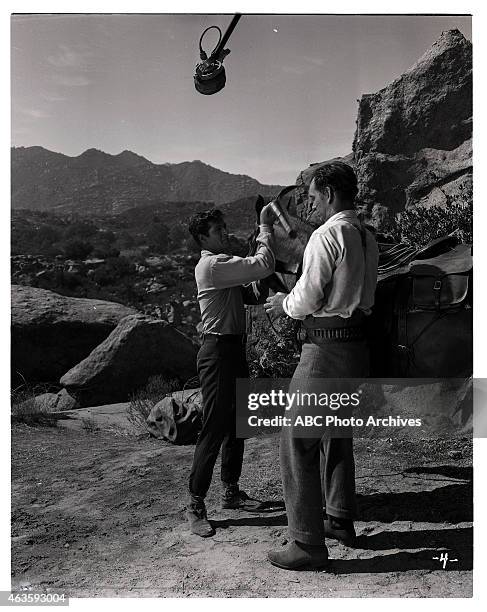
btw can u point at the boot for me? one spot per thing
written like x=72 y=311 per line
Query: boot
x=197 y=520
x=234 y=498
x=299 y=556
x=341 y=530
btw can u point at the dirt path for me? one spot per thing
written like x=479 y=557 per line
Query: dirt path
x=97 y=514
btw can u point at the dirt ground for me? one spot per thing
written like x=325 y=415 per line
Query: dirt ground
x=97 y=514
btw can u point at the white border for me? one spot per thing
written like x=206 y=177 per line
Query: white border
x=480 y=256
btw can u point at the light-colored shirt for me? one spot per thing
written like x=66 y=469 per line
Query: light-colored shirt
x=336 y=278
x=219 y=279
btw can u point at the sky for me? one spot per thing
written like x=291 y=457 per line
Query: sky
x=116 y=82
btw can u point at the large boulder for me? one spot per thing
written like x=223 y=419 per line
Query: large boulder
x=412 y=142
x=51 y=333
x=139 y=347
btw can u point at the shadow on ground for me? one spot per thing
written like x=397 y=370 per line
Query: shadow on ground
x=404 y=561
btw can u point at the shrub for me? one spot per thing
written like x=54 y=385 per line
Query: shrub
x=40 y=240
x=46 y=234
x=70 y=280
x=384 y=222
x=276 y=353
x=26 y=409
x=79 y=230
x=77 y=249
x=125 y=240
x=107 y=236
x=178 y=235
x=158 y=237
x=419 y=226
x=89 y=424
x=144 y=399
x=105 y=251
x=110 y=272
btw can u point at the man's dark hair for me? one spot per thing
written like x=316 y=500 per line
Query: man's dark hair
x=199 y=224
x=339 y=176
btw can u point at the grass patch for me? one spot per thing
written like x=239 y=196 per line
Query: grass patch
x=89 y=424
x=145 y=398
x=27 y=405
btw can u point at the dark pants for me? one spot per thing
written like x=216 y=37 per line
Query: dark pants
x=304 y=487
x=220 y=362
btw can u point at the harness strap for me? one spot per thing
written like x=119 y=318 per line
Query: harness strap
x=310 y=321
x=401 y=307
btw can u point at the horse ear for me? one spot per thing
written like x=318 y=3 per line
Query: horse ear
x=259 y=205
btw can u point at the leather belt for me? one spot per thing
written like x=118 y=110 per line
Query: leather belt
x=334 y=328
x=337 y=333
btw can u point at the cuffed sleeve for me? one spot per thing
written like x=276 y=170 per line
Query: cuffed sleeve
x=255 y=293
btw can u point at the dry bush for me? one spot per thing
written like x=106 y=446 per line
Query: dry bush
x=26 y=409
x=145 y=398
x=275 y=353
x=89 y=424
x=418 y=226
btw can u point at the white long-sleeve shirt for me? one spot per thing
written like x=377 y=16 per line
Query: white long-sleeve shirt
x=219 y=278
x=336 y=280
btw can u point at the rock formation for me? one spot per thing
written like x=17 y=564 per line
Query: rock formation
x=412 y=143
x=413 y=137
x=47 y=403
x=139 y=347
x=51 y=333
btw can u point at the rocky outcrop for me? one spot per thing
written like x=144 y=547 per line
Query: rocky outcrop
x=412 y=143
x=304 y=179
x=51 y=333
x=139 y=347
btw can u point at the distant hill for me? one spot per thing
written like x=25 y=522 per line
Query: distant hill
x=98 y=183
x=240 y=214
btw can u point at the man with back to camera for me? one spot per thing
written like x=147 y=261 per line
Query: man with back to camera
x=221 y=358
x=332 y=297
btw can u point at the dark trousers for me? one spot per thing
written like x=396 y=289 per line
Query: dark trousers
x=305 y=489
x=220 y=362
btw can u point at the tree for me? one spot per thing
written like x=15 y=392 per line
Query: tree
x=107 y=236
x=177 y=235
x=158 y=238
x=80 y=230
x=104 y=251
x=125 y=240
x=77 y=249
x=112 y=271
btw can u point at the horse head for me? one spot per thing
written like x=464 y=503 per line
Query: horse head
x=289 y=247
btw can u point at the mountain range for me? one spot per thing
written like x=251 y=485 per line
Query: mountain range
x=99 y=183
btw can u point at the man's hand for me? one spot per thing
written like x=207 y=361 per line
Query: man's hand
x=267 y=215
x=273 y=305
